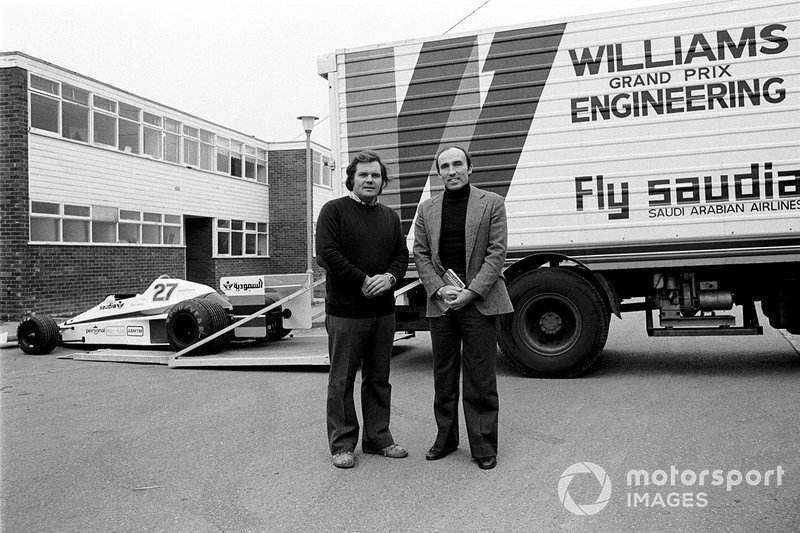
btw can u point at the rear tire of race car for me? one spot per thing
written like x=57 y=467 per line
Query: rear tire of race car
x=37 y=335
x=558 y=327
x=219 y=321
x=189 y=322
x=275 y=329
x=276 y=333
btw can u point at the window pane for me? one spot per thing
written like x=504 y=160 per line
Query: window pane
x=261 y=172
x=236 y=224
x=105 y=129
x=250 y=226
x=172 y=147
x=104 y=231
x=42 y=84
x=73 y=94
x=250 y=244
x=316 y=172
x=150 y=118
x=223 y=243
x=77 y=210
x=262 y=154
x=152 y=142
x=206 y=136
x=76 y=230
x=223 y=160
x=44 y=229
x=222 y=141
x=44 y=113
x=236 y=164
x=250 y=168
x=206 y=157
x=105 y=214
x=46 y=208
x=75 y=122
x=191 y=152
x=262 y=244
x=129 y=215
x=224 y=224
x=152 y=217
x=172 y=219
x=172 y=234
x=129 y=111
x=249 y=150
x=262 y=227
x=129 y=233
x=236 y=243
x=172 y=126
x=191 y=132
x=105 y=103
x=128 y=135
x=151 y=234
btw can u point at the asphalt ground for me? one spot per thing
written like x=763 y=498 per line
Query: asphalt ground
x=91 y=446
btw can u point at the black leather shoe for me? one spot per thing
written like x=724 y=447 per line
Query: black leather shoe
x=434 y=454
x=486 y=463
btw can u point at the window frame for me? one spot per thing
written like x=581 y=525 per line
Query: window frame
x=166 y=220
x=244 y=229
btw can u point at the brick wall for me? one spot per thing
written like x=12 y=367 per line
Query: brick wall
x=240 y=267
x=64 y=280
x=14 y=264
x=287 y=211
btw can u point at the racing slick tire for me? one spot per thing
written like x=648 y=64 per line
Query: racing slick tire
x=189 y=322
x=37 y=335
x=275 y=330
x=219 y=321
x=558 y=327
x=276 y=333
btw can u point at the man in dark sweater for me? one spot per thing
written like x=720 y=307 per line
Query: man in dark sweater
x=463 y=230
x=362 y=248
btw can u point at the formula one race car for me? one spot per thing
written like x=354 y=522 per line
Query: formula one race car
x=172 y=312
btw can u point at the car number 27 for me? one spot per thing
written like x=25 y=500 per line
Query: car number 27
x=163 y=291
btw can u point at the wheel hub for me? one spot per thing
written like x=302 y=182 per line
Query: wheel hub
x=550 y=323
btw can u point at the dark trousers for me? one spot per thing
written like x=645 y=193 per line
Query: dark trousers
x=465 y=339
x=353 y=342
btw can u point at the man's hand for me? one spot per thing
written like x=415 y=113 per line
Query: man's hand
x=462 y=297
x=376 y=285
x=449 y=293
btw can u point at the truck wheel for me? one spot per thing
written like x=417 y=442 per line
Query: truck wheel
x=189 y=322
x=37 y=335
x=558 y=327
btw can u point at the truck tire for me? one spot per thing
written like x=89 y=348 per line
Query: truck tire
x=189 y=322
x=37 y=335
x=558 y=327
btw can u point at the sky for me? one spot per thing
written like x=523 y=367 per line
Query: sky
x=250 y=65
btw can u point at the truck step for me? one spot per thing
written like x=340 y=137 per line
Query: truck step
x=697 y=326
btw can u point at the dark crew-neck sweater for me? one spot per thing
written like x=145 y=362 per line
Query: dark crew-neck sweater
x=452 y=242
x=356 y=240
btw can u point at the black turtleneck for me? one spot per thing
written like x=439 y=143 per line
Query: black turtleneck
x=452 y=248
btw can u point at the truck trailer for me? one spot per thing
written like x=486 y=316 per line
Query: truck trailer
x=649 y=160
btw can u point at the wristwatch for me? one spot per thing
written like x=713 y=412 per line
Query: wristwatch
x=392 y=279
x=438 y=293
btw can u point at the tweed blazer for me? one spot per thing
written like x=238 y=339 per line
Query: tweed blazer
x=485 y=243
